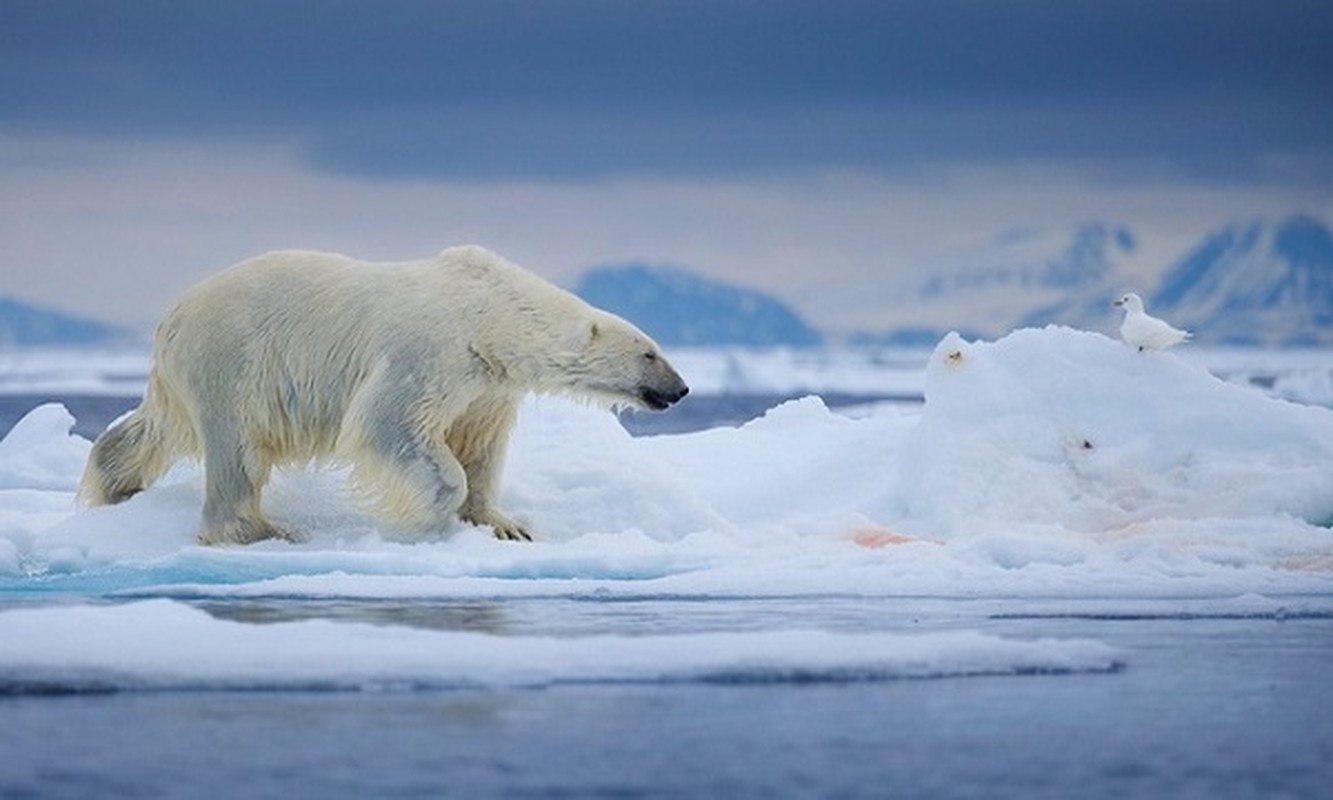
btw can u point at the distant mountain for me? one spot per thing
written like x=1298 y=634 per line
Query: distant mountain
x=1022 y=278
x=23 y=325
x=677 y=307
x=1034 y=261
x=1264 y=283
x=1258 y=283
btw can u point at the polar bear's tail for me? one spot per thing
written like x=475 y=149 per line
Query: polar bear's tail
x=130 y=455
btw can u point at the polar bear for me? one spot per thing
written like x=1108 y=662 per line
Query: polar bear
x=411 y=373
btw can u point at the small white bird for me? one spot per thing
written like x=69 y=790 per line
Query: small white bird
x=1144 y=332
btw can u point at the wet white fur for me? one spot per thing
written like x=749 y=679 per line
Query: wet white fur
x=411 y=373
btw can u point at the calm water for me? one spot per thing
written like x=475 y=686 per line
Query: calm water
x=92 y=413
x=1206 y=707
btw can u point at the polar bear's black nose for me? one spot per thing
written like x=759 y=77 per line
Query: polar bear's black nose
x=659 y=400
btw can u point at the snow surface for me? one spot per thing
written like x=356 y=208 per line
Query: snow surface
x=1048 y=464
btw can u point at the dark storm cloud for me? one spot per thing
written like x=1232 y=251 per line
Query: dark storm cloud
x=569 y=87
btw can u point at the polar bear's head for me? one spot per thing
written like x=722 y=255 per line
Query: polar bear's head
x=615 y=363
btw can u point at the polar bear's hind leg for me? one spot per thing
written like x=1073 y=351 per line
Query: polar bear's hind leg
x=235 y=471
x=400 y=474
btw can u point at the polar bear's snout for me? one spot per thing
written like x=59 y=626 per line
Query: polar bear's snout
x=664 y=388
x=659 y=400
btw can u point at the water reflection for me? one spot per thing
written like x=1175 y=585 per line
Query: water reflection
x=472 y=616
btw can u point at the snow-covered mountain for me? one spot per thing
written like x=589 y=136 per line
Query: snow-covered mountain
x=677 y=307
x=1021 y=278
x=24 y=325
x=1257 y=283
x=1264 y=283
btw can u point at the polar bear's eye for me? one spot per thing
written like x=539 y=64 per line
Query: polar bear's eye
x=650 y=356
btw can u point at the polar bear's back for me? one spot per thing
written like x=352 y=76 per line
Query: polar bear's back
x=315 y=288
x=275 y=303
x=291 y=297
x=289 y=338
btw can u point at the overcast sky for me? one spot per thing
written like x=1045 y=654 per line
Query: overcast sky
x=789 y=145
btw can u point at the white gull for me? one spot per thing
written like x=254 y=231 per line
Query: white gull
x=1146 y=332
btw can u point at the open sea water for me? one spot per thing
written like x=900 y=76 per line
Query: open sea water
x=1226 y=706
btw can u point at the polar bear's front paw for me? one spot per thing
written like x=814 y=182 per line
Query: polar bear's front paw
x=245 y=531
x=505 y=528
x=513 y=532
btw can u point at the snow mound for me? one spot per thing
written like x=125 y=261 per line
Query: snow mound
x=38 y=452
x=1071 y=431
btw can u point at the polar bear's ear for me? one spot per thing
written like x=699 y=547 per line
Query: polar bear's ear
x=582 y=336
